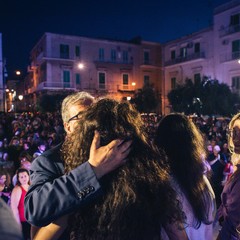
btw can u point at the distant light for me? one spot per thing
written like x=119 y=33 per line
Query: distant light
x=133 y=84
x=18 y=73
x=239 y=61
x=128 y=98
x=7 y=90
x=20 y=97
x=80 y=66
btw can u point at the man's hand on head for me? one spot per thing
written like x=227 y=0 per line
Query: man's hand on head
x=105 y=159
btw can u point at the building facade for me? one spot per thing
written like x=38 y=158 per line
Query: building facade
x=213 y=53
x=62 y=63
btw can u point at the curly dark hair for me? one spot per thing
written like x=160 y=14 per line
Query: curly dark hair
x=138 y=198
x=183 y=143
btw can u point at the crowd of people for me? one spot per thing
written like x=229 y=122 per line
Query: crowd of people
x=100 y=170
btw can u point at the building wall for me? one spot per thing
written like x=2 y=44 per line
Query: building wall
x=147 y=61
x=216 y=58
x=225 y=61
x=194 y=62
x=115 y=59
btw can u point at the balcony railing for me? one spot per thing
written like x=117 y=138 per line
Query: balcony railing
x=124 y=87
x=230 y=57
x=191 y=57
x=117 y=61
x=92 y=88
x=229 y=30
x=55 y=85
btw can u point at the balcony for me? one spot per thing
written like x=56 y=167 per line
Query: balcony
x=194 y=56
x=150 y=64
x=125 y=88
x=230 y=57
x=55 y=86
x=229 y=30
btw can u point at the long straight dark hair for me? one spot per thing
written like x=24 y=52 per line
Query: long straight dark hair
x=183 y=143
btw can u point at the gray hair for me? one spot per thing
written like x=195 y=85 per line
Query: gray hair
x=80 y=98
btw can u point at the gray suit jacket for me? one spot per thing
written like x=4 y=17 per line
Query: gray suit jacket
x=9 y=228
x=53 y=194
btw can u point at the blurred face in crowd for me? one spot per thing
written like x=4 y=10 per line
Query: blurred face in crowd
x=25 y=163
x=25 y=146
x=15 y=142
x=42 y=148
x=23 y=178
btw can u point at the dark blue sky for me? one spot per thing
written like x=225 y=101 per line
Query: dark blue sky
x=23 y=22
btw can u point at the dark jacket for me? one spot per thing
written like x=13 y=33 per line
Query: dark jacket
x=53 y=194
x=9 y=228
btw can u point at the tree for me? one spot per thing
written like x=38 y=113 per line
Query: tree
x=204 y=97
x=146 y=99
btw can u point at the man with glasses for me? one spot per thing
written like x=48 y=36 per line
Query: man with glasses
x=53 y=194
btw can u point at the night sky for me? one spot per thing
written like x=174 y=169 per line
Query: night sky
x=23 y=22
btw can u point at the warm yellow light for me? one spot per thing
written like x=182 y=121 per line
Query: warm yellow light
x=133 y=84
x=128 y=98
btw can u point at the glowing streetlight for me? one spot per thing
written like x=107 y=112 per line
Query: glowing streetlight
x=133 y=84
x=80 y=65
x=20 y=97
x=239 y=61
x=18 y=73
x=128 y=98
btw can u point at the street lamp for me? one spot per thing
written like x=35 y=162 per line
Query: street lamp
x=81 y=66
x=20 y=97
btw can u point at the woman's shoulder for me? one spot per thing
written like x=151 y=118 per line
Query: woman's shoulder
x=17 y=188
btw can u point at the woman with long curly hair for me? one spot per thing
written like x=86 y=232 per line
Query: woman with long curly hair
x=138 y=199
x=183 y=143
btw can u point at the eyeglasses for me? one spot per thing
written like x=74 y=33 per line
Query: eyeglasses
x=75 y=117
